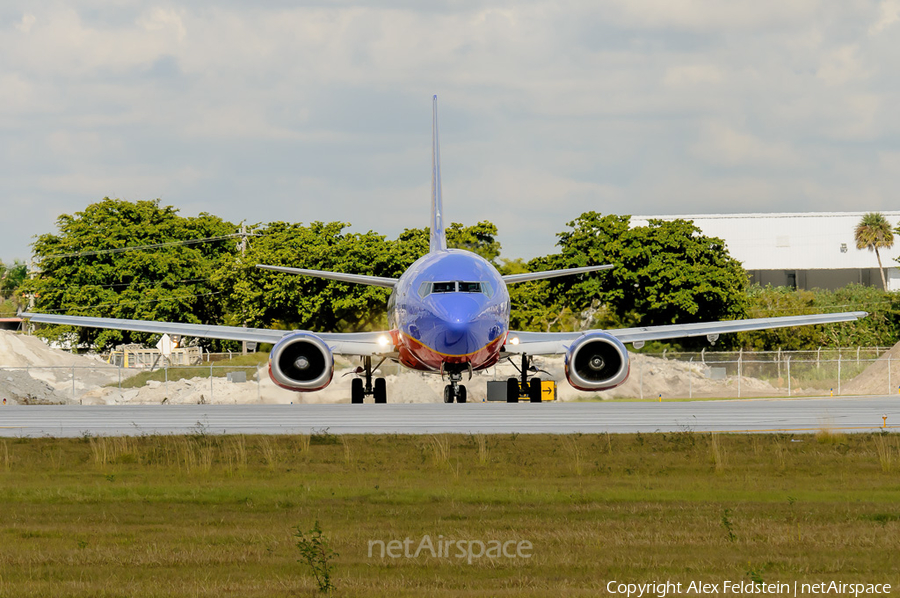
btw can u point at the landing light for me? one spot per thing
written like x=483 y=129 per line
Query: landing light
x=514 y=340
x=383 y=340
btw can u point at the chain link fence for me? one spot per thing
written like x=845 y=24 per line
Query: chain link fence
x=669 y=375
x=740 y=374
x=77 y=384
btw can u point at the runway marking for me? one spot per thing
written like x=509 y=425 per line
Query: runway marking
x=817 y=428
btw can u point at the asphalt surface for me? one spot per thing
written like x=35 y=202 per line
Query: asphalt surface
x=849 y=414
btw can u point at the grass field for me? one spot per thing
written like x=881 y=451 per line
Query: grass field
x=215 y=515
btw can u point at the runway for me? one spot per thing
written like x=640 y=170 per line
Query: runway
x=849 y=414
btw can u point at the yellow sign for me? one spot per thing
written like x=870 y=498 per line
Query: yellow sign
x=548 y=390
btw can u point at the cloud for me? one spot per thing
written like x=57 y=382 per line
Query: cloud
x=707 y=15
x=890 y=14
x=274 y=110
x=692 y=74
x=841 y=65
x=163 y=20
x=27 y=23
x=722 y=145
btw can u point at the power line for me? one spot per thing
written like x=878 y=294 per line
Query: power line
x=119 y=303
x=155 y=246
x=158 y=285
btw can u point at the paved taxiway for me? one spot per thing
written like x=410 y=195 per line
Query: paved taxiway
x=852 y=414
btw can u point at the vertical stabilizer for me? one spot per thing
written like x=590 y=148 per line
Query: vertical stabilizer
x=438 y=238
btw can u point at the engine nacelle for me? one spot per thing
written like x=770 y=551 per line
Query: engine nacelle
x=597 y=361
x=301 y=361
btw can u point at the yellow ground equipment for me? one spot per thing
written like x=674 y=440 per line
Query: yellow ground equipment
x=499 y=390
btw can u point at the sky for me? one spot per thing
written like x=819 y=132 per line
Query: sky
x=277 y=110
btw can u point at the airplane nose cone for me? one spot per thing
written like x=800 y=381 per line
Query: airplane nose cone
x=459 y=317
x=458 y=309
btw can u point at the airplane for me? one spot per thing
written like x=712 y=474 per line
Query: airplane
x=448 y=313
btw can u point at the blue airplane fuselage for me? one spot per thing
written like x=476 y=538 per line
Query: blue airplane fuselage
x=449 y=311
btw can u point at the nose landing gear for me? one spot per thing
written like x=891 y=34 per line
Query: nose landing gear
x=455 y=392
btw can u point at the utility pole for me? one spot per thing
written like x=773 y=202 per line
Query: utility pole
x=32 y=272
x=243 y=247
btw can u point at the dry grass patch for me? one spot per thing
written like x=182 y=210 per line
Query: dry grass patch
x=213 y=516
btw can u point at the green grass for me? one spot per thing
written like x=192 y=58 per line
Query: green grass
x=215 y=515
x=220 y=369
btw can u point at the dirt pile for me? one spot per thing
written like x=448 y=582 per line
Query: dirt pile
x=29 y=355
x=408 y=387
x=656 y=376
x=875 y=380
x=34 y=372
x=17 y=387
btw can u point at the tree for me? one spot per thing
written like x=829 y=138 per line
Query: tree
x=666 y=272
x=874 y=232
x=11 y=278
x=270 y=299
x=879 y=329
x=140 y=260
x=264 y=298
x=478 y=238
x=90 y=267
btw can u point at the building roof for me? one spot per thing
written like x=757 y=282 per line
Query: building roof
x=791 y=241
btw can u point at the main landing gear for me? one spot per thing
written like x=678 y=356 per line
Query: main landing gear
x=359 y=390
x=521 y=388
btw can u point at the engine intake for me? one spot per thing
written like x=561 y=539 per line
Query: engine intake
x=301 y=362
x=597 y=361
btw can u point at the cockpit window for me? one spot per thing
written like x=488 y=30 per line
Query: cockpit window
x=455 y=286
x=443 y=287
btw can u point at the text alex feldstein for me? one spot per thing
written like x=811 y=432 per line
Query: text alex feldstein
x=461 y=549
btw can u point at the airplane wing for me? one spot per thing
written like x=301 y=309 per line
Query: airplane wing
x=548 y=343
x=352 y=343
x=527 y=276
x=375 y=281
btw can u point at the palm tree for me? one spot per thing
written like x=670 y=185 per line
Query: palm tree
x=872 y=232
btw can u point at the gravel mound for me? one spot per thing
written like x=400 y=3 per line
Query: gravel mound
x=24 y=357
x=874 y=379
x=34 y=372
x=17 y=387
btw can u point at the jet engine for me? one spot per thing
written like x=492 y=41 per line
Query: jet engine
x=597 y=361
x=301 y=361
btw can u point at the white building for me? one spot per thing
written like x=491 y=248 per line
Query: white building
x=804 y=250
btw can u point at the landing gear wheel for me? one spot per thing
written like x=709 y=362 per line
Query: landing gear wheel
x=448 y=394
x=380 y=390
x=357 y=393
x=461 y=397
x=512 y=390
x=534 y=390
